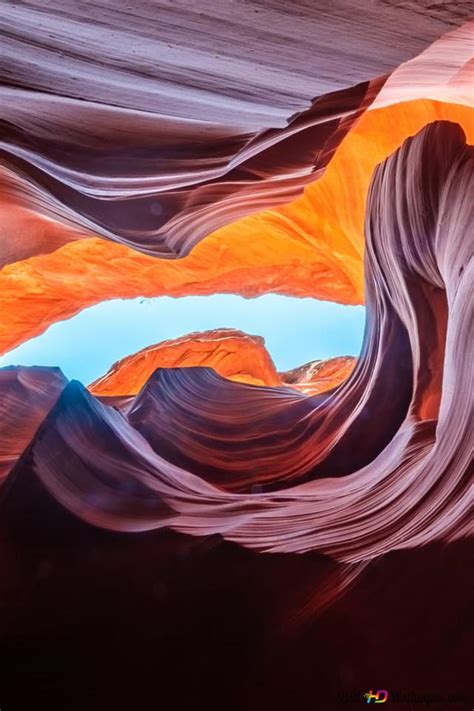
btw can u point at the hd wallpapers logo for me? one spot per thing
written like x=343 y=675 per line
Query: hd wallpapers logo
x=378 y=697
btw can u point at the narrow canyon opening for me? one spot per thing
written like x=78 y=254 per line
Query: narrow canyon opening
x=249 y=340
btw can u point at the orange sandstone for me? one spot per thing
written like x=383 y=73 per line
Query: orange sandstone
x=310 y=247
x=231 y=353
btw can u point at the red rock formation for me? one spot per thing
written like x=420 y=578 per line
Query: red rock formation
x=27 y=396
x=188 y=451
x=319 y=375
x=312 y=247
x=231 y=353
x=94 y=104
x=63 y=159
x=125 y=140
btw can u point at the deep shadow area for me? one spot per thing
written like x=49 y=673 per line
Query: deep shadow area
x=98 y=620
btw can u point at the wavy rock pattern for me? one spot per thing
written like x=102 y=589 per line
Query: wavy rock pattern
x=135 y=159
x=231 y=353
x=156 y=460
x=312 y=247
x=319 y=375
x=122 y=106
x=442 y=72
x=27 y=396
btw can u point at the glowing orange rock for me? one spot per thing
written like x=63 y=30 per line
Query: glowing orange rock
x=231 y=353
x=319 y=375
x=310 y=247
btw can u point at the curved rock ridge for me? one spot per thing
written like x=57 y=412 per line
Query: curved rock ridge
x=92 y=159
x=228 y=67
x=311 y=247
x=27 y=396
x=247 y=146
x=155 y=142
x=151 y=135
x=381 y=463
x=168 y=213
x=442 y=72
x=232 y=353
x=319 y=375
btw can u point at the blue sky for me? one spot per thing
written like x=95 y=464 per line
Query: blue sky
x=295 y=330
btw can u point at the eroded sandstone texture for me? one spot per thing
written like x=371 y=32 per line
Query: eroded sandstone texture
x=309 y=149
x=231 y=353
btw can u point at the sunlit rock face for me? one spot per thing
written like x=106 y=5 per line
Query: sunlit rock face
x=231 y=353
x=319 y=375
x=311 y=247
x=195 y=507
x=190 y=419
